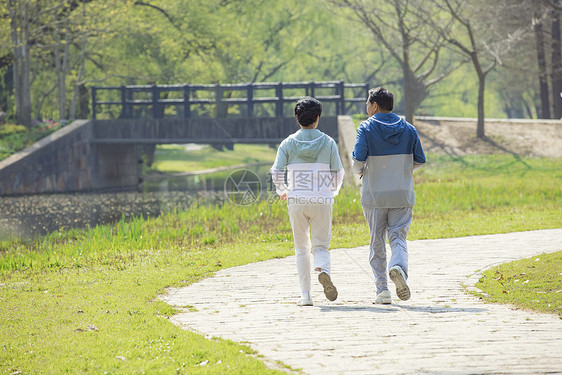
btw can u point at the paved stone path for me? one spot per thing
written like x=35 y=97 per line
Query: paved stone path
x=440 y=330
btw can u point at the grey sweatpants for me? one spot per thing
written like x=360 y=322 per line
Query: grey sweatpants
x=395 y=222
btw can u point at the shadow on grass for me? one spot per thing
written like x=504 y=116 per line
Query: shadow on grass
x=506 y=150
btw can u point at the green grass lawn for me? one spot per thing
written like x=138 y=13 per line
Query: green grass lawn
x=534 y=283
x=175 y=158
x=85 y=301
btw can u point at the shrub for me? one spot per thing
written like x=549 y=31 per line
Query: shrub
x=9 y=129
x=14 y=138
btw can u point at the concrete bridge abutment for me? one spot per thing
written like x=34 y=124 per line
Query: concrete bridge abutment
x=68 y=161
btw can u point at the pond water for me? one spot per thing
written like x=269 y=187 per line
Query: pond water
x=33 y=215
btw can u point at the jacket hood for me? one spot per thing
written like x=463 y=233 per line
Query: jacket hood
x=390 y=126
x=307 y=143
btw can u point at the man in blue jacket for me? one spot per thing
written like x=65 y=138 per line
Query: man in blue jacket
x=387 y=150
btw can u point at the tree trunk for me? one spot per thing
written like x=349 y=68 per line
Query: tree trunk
x=480 y=133
x=78 y=83
x=5 y=94
x=541 y=58
x=556 y=65
x=481 y=88
x=39 y=106
x=61 y=66
x=58 y=73
x=65 y=70
x=26 y=108
x=84 y=102
x=17 y=78
x=409 y=94
x=527 y=108
x=19 y=17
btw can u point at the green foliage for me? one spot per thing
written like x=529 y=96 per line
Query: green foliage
x=534 y=283
x=86 y=300
x=14 y=138
x=457 y=96
x=8 y=129
x=201 y=41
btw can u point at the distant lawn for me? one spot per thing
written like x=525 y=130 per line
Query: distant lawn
x=486 y=194
x=86 y=300
x=175 y=158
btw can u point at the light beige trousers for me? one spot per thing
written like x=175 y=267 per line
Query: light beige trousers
x=312 y=229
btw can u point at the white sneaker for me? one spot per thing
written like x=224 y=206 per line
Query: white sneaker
x=304 y=301
x=383 y=298
x=399 y=278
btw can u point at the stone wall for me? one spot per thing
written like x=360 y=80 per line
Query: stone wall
x=56 y=163
x=67 y=161
x=347 y=134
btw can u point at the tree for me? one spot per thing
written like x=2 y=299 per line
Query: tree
x=86 y=25
x=478 y=41
x=541 y=60
x=63 y=39
x=556 y=59
x=22 y=15
x=400 y=27
x=530 y=69
x=44 y=34
x=5 y=57
x=549 y=14
x=77 y=43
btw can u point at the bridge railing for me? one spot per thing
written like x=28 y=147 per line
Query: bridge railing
x=222 y=100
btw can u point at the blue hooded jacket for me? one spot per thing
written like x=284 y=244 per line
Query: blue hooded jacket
x=386 y=149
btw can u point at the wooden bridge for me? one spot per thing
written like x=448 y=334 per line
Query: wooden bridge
x=107 y=151
x=244 y=100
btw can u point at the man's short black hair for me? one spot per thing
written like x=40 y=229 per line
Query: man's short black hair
x=307 y=110
x=382 y=97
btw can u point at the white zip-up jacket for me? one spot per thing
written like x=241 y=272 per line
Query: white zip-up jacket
x=308 y=166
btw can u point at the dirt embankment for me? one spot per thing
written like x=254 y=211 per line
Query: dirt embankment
x=518 y=137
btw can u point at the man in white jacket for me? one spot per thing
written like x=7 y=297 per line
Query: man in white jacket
x=308 y=174
x=387 y=151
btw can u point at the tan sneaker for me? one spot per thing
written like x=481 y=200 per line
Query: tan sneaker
x=399 y=278
x=329 y=289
